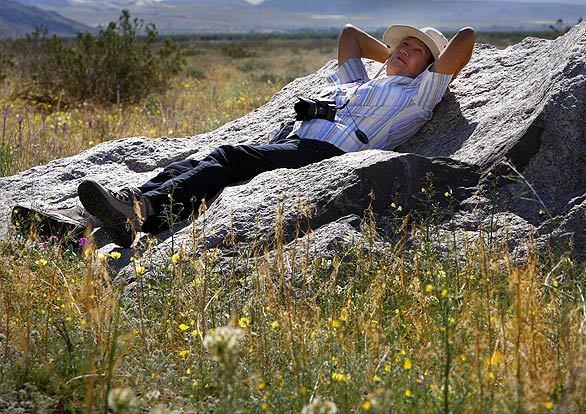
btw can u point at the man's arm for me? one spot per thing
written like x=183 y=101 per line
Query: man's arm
x=355 y=43
x=457 y=53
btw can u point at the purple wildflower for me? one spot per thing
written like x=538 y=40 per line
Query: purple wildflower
x=83 y=242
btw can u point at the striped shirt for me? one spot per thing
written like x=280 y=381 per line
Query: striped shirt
x=388 y=109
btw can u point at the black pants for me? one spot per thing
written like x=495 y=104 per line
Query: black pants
x=178 y=190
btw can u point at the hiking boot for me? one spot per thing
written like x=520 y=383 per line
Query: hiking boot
x=118 y=211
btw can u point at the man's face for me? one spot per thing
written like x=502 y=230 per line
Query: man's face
x=409 y=58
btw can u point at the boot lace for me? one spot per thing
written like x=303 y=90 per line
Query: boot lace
x=126 y=195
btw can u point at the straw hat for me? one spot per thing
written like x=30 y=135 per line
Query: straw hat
x=433 y=38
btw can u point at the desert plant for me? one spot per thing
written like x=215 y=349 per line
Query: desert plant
x=116 y=65
x=5 y=61
x=236 y=51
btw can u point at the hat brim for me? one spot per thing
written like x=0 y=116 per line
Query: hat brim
x=397 y=32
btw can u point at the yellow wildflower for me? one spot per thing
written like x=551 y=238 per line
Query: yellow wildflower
x=549 y=405
x=336 y=324
x=428 y=288
x=183 y=327
x=41 y=262
x=444 y=292
x=139 y=270
x=496 y=358
x=244 y=322
x=303 y=390
x=366 y=405
x=115 y=255
x=175 y=258
x=407 y=364
x=275 y=325
x=184 y=353
x=264 y=406
x=387 y=368
x=407 y=392
x=344 y=314
x=339 y=377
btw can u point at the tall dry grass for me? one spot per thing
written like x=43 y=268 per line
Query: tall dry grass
x=400 y=329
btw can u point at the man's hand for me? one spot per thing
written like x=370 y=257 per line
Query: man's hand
x=355 y=43
x=457 y=53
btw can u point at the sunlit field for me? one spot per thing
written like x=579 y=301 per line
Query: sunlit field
x=410 y=328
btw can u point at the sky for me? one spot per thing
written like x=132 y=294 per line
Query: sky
x=580 y=2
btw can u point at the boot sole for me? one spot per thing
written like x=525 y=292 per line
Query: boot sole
x=95 y=202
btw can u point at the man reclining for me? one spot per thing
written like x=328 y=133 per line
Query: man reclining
x=364 y=113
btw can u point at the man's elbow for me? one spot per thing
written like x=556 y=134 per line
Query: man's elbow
x=467 y=34
x=348 y=27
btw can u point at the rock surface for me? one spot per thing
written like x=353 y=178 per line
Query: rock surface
x=525 y=104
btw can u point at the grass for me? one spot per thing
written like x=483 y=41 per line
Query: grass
x=406 y=329
x=410 y=328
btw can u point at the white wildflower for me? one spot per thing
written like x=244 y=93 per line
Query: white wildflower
x=319 y=406
x=223 y=342
x=121 y=400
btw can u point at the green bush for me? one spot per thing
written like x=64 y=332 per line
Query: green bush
x=116 y=65
x=5 y=61
x=195 y=72
x=236 y=51
x=252 y=65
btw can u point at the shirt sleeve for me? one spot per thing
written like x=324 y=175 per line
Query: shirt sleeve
x=352 y=70
x=430 y=89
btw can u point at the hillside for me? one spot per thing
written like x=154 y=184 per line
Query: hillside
x=17 y=19
x=207 y=16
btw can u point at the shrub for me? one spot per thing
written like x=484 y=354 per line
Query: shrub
x=116 y=65
x=236 y=51
x=195 y=72
x=252 y=65
x=5 y=61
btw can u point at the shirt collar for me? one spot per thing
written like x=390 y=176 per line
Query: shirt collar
x=399 y=80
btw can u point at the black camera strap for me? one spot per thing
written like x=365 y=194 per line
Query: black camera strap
x=362 y=137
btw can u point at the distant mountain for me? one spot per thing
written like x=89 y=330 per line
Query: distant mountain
x=223 y=16
x=17 y=19
x=335 y=6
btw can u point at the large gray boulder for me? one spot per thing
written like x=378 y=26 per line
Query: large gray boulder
x=513 y=118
